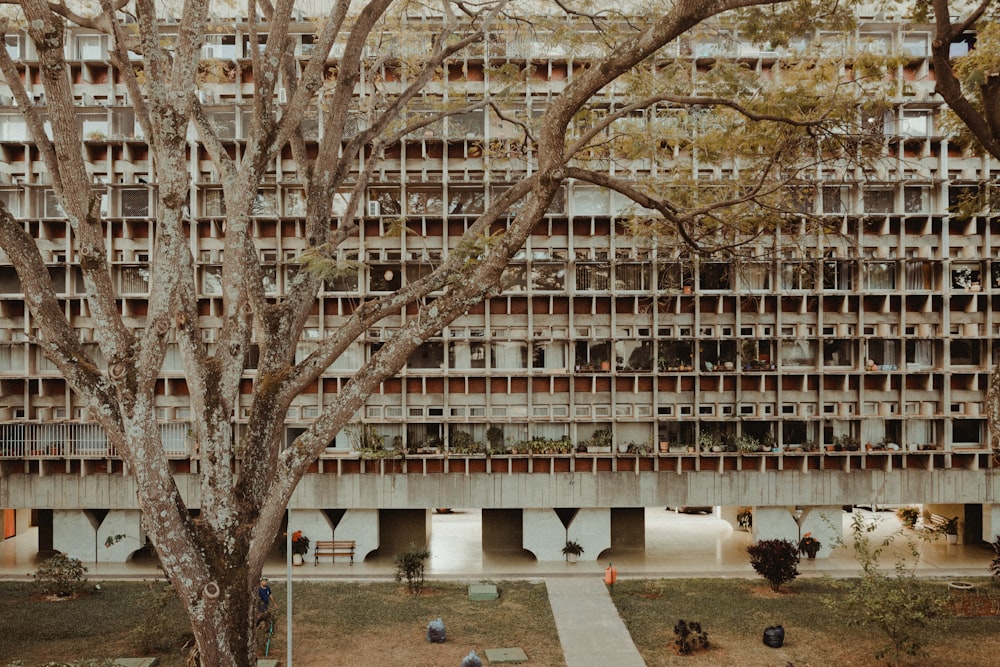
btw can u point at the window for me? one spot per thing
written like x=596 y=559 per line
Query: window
x=429 y=355
x=880 y=275
x=878 y=200
x=838 y=352
x=632 y=277
x=135 y=202
x=797 y=275
x=593 y=276
x=463 y=355
x=834 y=200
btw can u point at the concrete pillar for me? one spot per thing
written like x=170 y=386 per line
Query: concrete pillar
x=545 y=536
x=93 y=537
x=398 y=529
x=362 y=526
x=774 y=523
x=74 y=532
x=991 y=523
x=119 y=536
x=825 y=524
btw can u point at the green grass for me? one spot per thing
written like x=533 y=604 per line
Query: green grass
x=334 y=623
x=380 y=623
x=735 y=612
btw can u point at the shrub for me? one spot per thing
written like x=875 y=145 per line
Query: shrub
x=775 y=560
x=898 y=605
x=154 y=630
x=689 y=637
x=410 y=566
x=60 y=575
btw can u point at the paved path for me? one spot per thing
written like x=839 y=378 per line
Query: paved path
x=591 y=632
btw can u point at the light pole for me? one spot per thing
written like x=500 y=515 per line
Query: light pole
x=288 y=586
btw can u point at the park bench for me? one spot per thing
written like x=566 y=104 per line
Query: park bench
x=334 y=548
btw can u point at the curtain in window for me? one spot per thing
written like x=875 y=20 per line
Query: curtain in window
x=755 y=276
x=918 y=276
x=508 y=355
x=919 y=431
x=872 y=431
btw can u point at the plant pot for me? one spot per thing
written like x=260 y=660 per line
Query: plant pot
x=952 y=539
x=297 y=559
x=571 y=558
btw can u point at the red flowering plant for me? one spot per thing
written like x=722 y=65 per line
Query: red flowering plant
x=809 y=545
x=300 y=543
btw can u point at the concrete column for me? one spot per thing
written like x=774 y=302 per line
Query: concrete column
x=991 y=523
x=545 y=536
x=119 y=536
x=774 y=523
x=825 y=524
x=74 y=532
x=91 y=538
x=362 y=526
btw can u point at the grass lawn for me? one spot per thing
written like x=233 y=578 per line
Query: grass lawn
x=735 y=612
x=380 y=623
x=334 y=624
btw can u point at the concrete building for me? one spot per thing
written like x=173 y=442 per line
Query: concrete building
x=854 y=373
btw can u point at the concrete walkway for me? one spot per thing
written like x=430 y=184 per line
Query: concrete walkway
x=591 y=632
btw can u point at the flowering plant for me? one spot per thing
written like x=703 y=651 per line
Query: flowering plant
x=809 y=545
x=300 y=543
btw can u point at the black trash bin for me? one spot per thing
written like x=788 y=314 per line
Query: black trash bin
x=774 y=636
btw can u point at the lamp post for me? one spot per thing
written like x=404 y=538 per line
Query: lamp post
x=288 y=586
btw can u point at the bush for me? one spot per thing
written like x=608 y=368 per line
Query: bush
x=154 y=630
x=775 y=560
x=60 y=575
x=899 y=605
x=410 y=566
x=689 y=637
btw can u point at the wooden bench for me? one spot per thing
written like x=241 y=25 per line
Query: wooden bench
x=334 y=548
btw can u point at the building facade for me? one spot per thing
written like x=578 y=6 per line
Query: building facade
x=609 y=375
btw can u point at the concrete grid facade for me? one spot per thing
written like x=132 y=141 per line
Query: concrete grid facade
x=856 y=364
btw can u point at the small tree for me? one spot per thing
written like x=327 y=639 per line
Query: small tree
x=410 y=565
x=898 y=605
x=60 y=575
x=775 y=560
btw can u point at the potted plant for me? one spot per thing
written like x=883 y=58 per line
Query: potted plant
x=809 y=545
x=300 y=546
x=908 y=516
x=572 y=551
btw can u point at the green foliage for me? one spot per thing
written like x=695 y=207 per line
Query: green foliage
x=689 y=637
x=154 y=632
x=572 y=547
x=494 y=436
x=897 y=605
x=410 y=565
x=60 y=575
x=775 y=560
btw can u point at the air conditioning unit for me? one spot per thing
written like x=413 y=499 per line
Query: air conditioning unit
x=374 y=209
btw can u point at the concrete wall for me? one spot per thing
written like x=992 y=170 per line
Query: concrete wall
x=628 y=529
x=606 y=489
